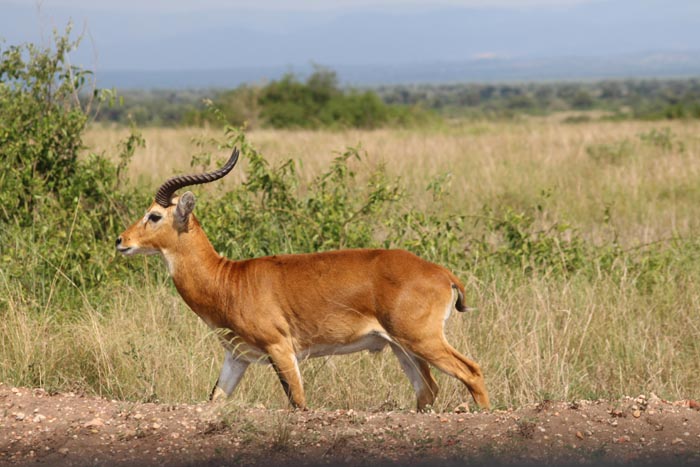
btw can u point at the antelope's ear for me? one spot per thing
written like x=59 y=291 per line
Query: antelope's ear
x=185 y=206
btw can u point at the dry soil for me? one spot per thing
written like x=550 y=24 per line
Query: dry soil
x=38 y=428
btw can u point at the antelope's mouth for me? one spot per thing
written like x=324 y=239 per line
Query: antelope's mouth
x=126 y=250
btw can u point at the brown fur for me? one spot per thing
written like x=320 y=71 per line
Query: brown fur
x=283 y=305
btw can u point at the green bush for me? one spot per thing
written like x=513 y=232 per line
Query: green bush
x=59 y=208
x=355 y=110
x=270 y=213
x=610 y=153
x=663 y=139
x=319 y=103
x=40 y=128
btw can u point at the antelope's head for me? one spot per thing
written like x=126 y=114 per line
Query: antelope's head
x=169 y=215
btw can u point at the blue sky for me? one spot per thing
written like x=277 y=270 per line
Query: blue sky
x=210 y=34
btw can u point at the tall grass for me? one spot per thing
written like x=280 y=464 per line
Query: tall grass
x=622 y=322
x=650 y=189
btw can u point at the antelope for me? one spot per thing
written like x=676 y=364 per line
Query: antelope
x=284 y=308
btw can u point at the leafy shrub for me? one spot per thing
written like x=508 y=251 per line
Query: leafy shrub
x=269 y=213
x=574 y=119
x=518 y=239
x=40 y=127
x=319 y=102
x=610 y=153
x=58 y=207
x=663 y=139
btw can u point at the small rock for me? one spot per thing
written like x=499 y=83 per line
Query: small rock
x=637 y=413
x=462 y=408
x=94 y=423
x=38 y=418
x=63 y=451
x=20 y=416
x=579 y=435
x=677 y=441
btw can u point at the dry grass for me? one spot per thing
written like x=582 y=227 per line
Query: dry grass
x=650 y=191
x=535 y=337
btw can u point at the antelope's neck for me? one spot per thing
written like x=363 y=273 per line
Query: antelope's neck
x=194 y=267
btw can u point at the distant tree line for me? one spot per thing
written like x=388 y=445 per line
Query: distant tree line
x=635 y=99
x=317 y=102
x=320 y=102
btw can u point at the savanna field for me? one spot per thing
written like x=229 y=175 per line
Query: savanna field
x=576 y=242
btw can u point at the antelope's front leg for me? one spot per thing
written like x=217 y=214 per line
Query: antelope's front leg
x=284 y=361
x=231 y=373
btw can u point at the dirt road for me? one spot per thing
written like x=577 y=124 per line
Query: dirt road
x=37 y=428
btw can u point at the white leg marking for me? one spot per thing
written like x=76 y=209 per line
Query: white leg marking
x=296 y=368
x=231 y=373
x=409 y=364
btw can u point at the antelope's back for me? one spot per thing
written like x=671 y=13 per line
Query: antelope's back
x=360 y=281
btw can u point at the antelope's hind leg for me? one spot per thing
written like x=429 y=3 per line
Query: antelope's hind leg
x=418 y=372
x=439 y=353
x=425 y=340
x=231 y=373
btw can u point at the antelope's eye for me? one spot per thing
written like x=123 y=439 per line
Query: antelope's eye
x=154 y=217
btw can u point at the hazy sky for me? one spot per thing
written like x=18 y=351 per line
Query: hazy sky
x=299 y=5
x=208 y=34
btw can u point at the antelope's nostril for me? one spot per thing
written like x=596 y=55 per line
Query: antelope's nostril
x=119 y=241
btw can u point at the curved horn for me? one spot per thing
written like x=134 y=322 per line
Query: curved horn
x=166 y=190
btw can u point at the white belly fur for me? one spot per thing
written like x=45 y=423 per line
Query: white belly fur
x=373 y=341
